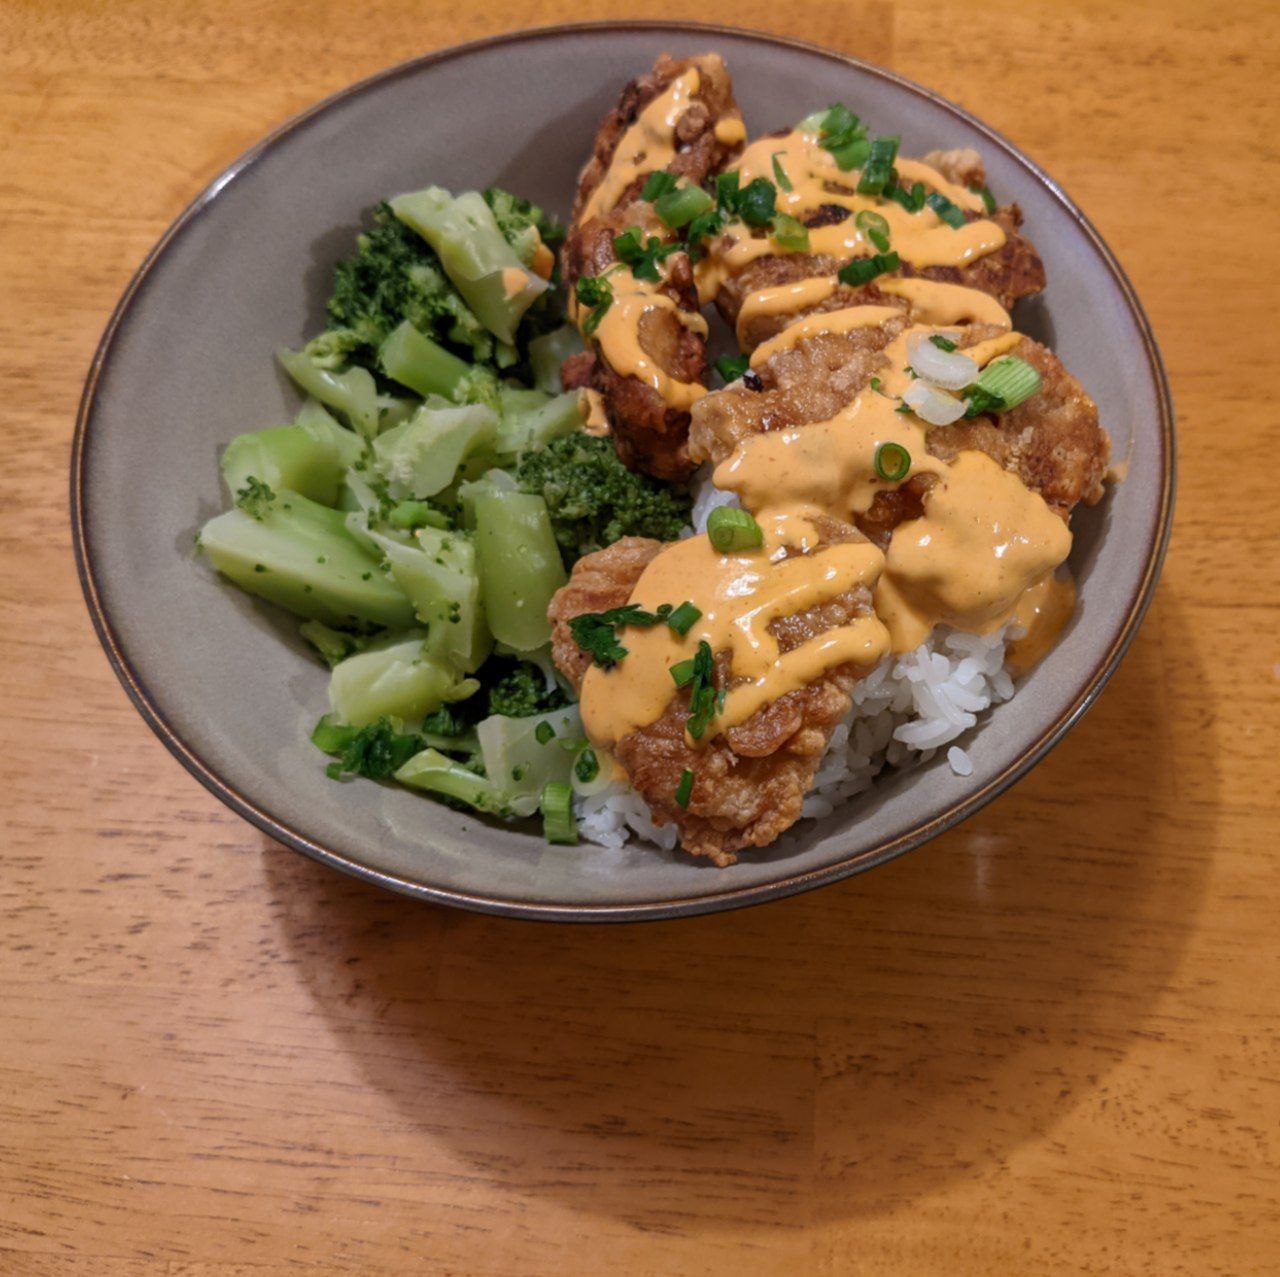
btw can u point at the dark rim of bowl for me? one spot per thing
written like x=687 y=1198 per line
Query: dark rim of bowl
x=730 y=897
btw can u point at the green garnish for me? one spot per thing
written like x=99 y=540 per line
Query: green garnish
x=587 y=768
x=780 y=174
x=376 y=751
x=642 y=257
x=558 y=824
x=543 y=732
x=682 y=672
x=702 y=693
x=878 y=169
x=679 y=208
x=684 y=790
x=863 y=270
x=596 y=633
x=789 y=233
x=892 y=462
x=950 y=213
x=842 y=134
x=756 y=202
x=1001 y=385
x=942 y=343
x=731 y=367
x=658 y=184
x=988 y=200
x=730 y=529
x=681 y=619
x=596 y=293
x=912 y=200
x=875 y=227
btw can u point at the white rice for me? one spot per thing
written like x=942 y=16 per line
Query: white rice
x=904 y=711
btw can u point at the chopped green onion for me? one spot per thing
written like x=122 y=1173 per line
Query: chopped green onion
x=681 y=620
x=731 y=367
x=950 y=213
x=642 y=259
x=727 y=190
x=852 y=154
x=879 y=166
x=892 y=462
x=874 y=227
x=863 y=270
x=558 y=824
x=679 y=208
x=1001 y=385
x=684 y=790
x=780 y=174
x=732 y=529
x=942 y=343
x=840 y=121
x=702 y=692
x=912 y=200
x=682 y=672
x=790 y=234
x=842 y=134
x=587 y=768
x=658 y=184
x=988 y=200
x=543 y=732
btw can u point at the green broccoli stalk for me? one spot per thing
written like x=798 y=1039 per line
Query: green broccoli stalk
x=593 y=499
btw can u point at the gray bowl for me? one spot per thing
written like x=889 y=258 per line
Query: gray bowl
x=186 y=363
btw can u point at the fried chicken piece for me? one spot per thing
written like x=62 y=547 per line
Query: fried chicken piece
x=648 y=433
x=1011 y=272
x=749 y=782
x=1052 y=442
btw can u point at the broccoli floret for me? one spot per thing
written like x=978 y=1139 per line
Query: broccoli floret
x=448 y=720
x=255 y=498
x=522 y=692
x=376 y=751
x=517 y=218
x=394 y=276
x=594 y=499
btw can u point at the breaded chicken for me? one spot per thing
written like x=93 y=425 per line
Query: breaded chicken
x=1052 y=442
x=749 y=782
x=649 y=433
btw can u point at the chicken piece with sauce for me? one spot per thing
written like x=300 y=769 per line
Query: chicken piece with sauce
x=648 y=344
x=809 y=590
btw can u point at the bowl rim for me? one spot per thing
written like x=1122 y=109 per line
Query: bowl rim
x=730 y=897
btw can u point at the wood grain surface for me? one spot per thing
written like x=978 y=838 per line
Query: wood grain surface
x=1046 y=1043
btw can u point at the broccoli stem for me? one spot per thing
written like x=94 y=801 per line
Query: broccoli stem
x=300 y=555
x=393 y=678
x=432 y=771
x=548 y=352
x=285 y=457
x=353 y=393
x=520 y=566
x=414 y=360
x=477 y=258
x=420 y=457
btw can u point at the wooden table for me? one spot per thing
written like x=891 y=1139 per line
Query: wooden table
x=1045 y=1043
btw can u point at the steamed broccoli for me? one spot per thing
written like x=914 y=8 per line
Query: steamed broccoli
x=523 y=691
x=393 y=276
x=518 y=219
x=594 y=499
x=375 y=751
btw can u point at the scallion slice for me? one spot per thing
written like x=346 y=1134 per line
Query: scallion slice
x=731 y=529
x=863 y=270
x=874 y=227
x=790 y=234
x=950 y=213
x=681 y=620
x=892 y=462
x=658 y=184
x=558 y=824
x=679 y=208
x=682 y=672
x=988 y=200
x=912 y=200
x=587 y=766
x=731 y=367
x=879 y=166
x=543 y=732
x=1005 y=383
x=684 y=790
x=780 y=174
x=942 y=343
